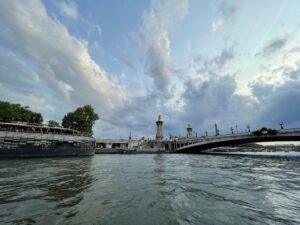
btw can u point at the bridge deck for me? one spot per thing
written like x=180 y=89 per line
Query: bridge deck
x=194 y=145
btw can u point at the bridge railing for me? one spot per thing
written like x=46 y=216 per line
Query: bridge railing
x=182 y=139
x=289 y=130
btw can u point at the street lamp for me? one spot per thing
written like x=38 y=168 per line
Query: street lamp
x=281 y=125
x=248 y=128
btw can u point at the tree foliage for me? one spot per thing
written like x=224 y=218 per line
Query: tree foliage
x=82 y=119
x=52 y=123
x=15 y=112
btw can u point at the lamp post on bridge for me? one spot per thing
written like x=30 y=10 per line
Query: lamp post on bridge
x=217 y=131
x=196 y=134
x=281 y=125
x=189 y=129
x=159 y=129
x=236 y=127
x=248 y=128
x=231 y=128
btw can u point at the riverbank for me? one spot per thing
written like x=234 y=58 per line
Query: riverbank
x=127 y=151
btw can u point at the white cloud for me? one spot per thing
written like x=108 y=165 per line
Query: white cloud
x=216 y=25
x=36 y=103
x=158 y=23
x=125 y=58
x=210 y=97
x=69 y=77
x=92 y=28
x=61 y=62
x=228 y=15
x=153 y=39
x=228 y=11
x=158 y=64
x=67 y=8
x=279 y=103
x=274 y=46
x=281 y=69
x=44 y=66
x=216 y=65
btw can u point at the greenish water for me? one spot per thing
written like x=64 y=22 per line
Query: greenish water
x=150 y=189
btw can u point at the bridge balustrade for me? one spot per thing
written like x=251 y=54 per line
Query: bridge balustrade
x=292 y=134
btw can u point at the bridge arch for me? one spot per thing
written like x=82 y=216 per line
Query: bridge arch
x=224 y=141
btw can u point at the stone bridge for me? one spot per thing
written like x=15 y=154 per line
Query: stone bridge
x=197 y=145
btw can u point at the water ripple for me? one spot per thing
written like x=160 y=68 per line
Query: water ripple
x=150 y=189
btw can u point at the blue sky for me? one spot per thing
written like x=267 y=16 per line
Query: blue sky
x=200 y=62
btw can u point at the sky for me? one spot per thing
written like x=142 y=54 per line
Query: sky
x=230 y=62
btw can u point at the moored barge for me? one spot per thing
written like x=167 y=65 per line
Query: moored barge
x=33 y=140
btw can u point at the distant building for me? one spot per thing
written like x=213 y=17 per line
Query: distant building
x=141 y=145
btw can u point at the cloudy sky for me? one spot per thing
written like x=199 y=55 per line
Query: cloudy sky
x=200 y=62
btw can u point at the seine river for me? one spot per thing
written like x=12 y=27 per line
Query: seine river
x=151 y=189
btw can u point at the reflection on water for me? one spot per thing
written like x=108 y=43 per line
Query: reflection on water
x=33 y=189
x=150 y=189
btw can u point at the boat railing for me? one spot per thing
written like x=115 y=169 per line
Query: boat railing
x=40 y=128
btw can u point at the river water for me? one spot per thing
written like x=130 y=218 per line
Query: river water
x=150 y=189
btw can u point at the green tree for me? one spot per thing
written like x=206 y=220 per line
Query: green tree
x=52 y=123
x=15 y=112
x=82 y=119
x=36 y=118
x=6 y=112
